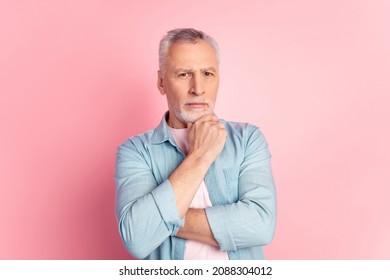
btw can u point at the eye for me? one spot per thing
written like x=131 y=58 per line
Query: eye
x=208 y=74
x=184 y=75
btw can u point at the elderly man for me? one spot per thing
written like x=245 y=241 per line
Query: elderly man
x=195 y=187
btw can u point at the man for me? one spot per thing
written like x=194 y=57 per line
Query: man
x=195 y=187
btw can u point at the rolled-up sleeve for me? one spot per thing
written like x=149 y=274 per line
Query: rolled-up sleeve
x=146 y=211
x=250 y=221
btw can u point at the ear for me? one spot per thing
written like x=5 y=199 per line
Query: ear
x=160 y=84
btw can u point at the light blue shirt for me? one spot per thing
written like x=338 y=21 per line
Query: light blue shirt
x=240 y=185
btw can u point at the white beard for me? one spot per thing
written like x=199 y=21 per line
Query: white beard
x=191 y=117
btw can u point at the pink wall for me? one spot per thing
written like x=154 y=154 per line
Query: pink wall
x=77 y=79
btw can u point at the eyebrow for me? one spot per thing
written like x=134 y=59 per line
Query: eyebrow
x=192 y=70
x=212 y=69
x=182 y=70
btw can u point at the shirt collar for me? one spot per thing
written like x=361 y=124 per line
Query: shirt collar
x=162 y=133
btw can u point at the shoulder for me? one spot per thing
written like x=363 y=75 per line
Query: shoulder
x=242 y=129
x=238 y=125
x=245 y=135
x=138 y=141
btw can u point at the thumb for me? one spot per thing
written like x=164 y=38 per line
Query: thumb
x=189 y=125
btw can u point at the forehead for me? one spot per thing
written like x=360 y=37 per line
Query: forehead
x=188 y=54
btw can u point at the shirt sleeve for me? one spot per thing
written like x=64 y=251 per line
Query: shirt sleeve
x=146 y=212
x=251 y=221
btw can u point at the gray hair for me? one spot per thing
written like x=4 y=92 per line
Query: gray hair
x=183 y=35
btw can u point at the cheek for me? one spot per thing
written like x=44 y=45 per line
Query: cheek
x=178 y=87
x=179 y=92
x=174 y=98
x=213 y=92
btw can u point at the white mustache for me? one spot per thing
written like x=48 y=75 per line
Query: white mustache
x=196 y=101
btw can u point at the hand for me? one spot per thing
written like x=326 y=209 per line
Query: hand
x=207 y=137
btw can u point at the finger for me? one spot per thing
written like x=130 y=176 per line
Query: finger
x=219 y=125
x=207 y=117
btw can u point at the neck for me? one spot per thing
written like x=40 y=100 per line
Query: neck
x=175 y=123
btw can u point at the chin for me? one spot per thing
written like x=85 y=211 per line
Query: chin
x=191 y=117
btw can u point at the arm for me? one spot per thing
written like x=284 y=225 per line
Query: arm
x=197 y=227
x=251 y=220
x=145 y=210
x=149 y=213
x=206 y=139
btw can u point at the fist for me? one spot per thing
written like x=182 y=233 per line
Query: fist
x=207 y=137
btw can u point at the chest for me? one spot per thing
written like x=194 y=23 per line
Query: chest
x=222 y=178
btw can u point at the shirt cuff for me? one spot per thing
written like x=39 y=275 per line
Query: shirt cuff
x=177 y=227
x=219 y=224
x=166 y=203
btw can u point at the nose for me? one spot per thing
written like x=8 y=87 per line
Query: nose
x=197 y=86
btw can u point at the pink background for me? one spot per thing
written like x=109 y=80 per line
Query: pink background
x=77 y=78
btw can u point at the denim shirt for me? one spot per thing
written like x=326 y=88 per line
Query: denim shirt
x=240 y=185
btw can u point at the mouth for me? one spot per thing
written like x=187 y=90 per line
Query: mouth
x=196 y=105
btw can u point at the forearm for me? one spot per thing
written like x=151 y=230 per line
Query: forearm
x=197 y=228
x=206 y=139
x=186 y=179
